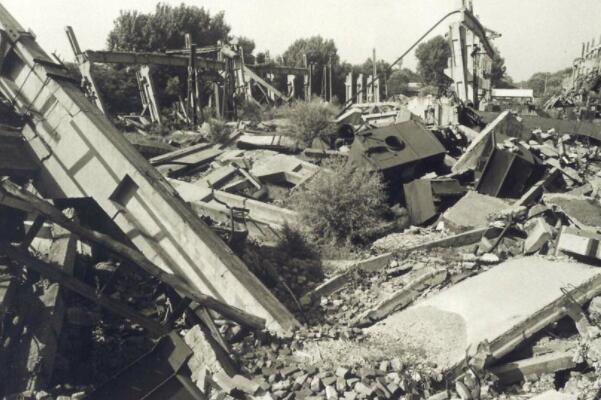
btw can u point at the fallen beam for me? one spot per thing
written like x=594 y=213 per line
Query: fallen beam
x=84 y=155
x=517 y=371
x=13 y=196
x=55 y=274
x=381 y=261
x=402 y=298
x=133 y=58
x=159 y=374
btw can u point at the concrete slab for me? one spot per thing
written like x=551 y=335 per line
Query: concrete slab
x=582 y=210
x=554 y=395
x=503 y=306
x=472 y=211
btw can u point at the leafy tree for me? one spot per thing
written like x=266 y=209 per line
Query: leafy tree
x=545 y=84
x=161 y=30
x=399 y=80
x=118 y=88
x=319 y=52
x=261 y=58
x=166 y=27
x=311 y=120
x=432 y=59
x=248 y=47
x=383 y=68
x=498 y=72
x=341 y=204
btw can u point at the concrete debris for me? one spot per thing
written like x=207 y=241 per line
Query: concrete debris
x=472 y=211
x=135 y=264
x=539 y=234
x=579 y=243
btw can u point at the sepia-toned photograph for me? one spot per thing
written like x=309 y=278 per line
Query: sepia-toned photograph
x=300 y=200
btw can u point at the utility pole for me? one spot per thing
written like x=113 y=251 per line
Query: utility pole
x=375 y=75
x=476 y=64
x=191 y=79
x=324 y=83
x=330 y=77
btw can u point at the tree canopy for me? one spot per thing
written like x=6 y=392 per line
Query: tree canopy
x=546 y=84
x=163 y=29
x=498 y=73
x=399 y=79
x=166 y=27
x=432 y=59
x=319 y=52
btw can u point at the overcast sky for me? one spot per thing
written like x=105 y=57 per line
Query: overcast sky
x=538 y=35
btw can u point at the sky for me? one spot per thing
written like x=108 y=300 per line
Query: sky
x=537 y=35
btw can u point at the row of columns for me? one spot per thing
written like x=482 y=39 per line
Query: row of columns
x=367 y=88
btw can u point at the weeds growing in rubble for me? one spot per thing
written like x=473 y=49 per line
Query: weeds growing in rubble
x=311 y=120
x=343 y=204
x=251 y=111
x=218 y=130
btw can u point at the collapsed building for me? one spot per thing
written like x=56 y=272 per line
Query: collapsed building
x=493 y=291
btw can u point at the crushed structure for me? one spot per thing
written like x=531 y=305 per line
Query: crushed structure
x=182 y=270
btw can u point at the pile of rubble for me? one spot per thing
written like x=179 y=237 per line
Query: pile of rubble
x=168 y=277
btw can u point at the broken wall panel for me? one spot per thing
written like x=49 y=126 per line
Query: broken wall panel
x=83 y=155
x=479 y=309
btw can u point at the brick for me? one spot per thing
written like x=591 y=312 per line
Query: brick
x=331 y=393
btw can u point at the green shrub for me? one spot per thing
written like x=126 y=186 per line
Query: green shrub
x=218 y=131
x=342 y=204
x=311 y=120
x=251 y=111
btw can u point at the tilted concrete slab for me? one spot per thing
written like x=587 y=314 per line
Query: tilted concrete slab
x=83 y=155
x=503 y=306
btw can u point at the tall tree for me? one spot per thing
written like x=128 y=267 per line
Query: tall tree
x=248 y=48
x=161 y=30
x=383 y=72
x=399 y=79
x=546 y=84
x=319 y=52
x=166 y=27
x=498 y=72
x=432 y=59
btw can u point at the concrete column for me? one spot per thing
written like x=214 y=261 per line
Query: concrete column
x=348 y=85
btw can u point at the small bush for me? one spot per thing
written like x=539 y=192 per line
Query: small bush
x=311 y=120
x=251 y=111
x=342 y=204
x=293 y=244
x=218 y=131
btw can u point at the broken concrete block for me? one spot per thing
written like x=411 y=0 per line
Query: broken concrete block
x=583 y=211
x=420 y=203
x=363 y=389
x=579 y=242
x=489 y=259
x=508 y=173
x=204 y=355
x=343 y=372
x=245 y=385
x=505 y=125
x=331 y=393
x=514 y=372
x=554 y=395
x=315 y=384
x=539 y=233
x=595 y=306
x=478 y=309
x=472 y=211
